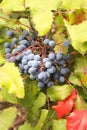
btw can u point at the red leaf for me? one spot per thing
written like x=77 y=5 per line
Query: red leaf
x=64 y=107
x=77 y=120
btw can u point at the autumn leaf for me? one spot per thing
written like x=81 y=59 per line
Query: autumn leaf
x=77 y=120
x=64 y=107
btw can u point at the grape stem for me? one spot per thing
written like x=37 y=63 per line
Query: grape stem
x=17 y=22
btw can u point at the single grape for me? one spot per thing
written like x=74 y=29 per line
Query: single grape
x=52 y=43
x=59 y=55
x=50 y=83
x=47 y=74
x=14 y=40
x=10 y=33
x=52 y=69
x=28 y=52
x=37 y=57
x=61 y=62
x=32 y=76
x=56 y=76
x=46 y=59
x=21 y=37
x=24 y=61
x=66 y=43
x=7 y=45
x=61 y=79
x=52 y=56
x=46 y=81
x=63 y=71
x=26 y=67
x=41 y=84
x=30 y=63
x=46 y=41
x=20 y=47
x=35 y=63
x=42 y=76
x=24 y=42
x=7 y=50
x=25 y=33
x=32 y=70
x=31 y=56
x=48 y=64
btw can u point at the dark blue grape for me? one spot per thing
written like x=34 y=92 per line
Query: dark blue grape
x=66 y=43
x=21 y=37
x=25 y=33
x=52 y=43
x=41 y=84
x=10 y=33
x=46 y=59
x=56 y=76
x=28 y=52
x=24 y=42
x=32 y=70
x=52 y=69
x=30 y=63
x=42 y=76
x=46 y=41
x=7 y=50
x=21 y=47
x=50 y=83
x=61 y=79
x=32 y=76
x=26 y=67
x=48 y=64
x=52 y=56
x=63 y=71
x=37 y=57
x=7 y=45
x=31 y=56
x=61 y=62
x=14 y=40
x=35 y=63
x=59 y=55
x=24 y=61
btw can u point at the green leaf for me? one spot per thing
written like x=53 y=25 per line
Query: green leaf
x=59 y=92
x=26 y=126
x=11 y=79
x=59 y=124
x=74 y=4
x=2 y=58
x=31 y=94
x=80 y=103
x=80 y=69
x=41 y=14
x=10 y=5
x=37 y=104
x=78 y=35
x=43 y=116
x=75 y=80
x=7 y=118
x=6 y=96
x=25 y=22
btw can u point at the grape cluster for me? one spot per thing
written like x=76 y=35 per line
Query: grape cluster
x=37 y=59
